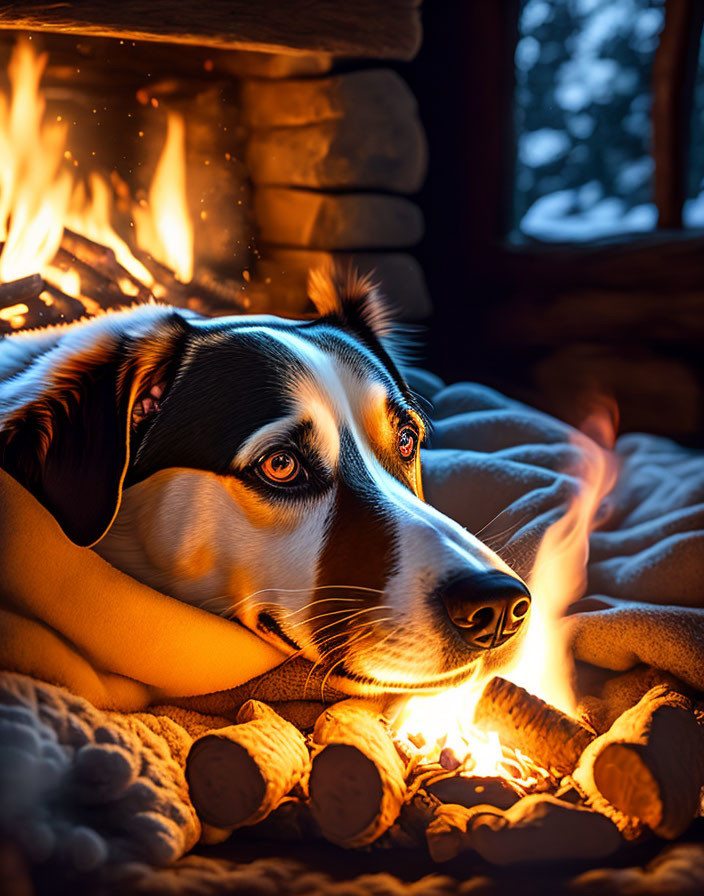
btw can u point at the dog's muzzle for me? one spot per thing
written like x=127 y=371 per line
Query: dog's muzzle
x=486 y=608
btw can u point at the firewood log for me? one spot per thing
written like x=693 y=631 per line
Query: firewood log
x=536 y=828
x=237 y=775
x=550 y=737
x=91 y=258
x=356 y=781
x=650 y=764
x=17 y=291
x=602 y=703
x=18 y=295
x=105 y=289
x=67 y=306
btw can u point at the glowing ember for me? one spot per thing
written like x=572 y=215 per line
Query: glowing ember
x=438 y=733
x=440 y=724
x=41 y=196
x=14 y=314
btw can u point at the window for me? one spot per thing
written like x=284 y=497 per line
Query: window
x=584 y=165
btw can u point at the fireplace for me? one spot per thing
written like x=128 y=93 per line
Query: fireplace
x=207 y=166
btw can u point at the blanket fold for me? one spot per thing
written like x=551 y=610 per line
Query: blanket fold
x=69 y=617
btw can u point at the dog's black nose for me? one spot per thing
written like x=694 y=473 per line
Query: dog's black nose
x=487 y=607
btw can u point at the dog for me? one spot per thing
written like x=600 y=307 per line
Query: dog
x=267 y=469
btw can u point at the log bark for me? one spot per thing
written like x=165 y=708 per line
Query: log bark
x=239 y=774
x=19 y=291
x=545 y=734
x=93 y=258
x=356 y=783
x=650 y=764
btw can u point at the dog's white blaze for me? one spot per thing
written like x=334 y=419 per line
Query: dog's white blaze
x=429 y=546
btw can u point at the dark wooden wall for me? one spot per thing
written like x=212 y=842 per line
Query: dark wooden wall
x=555 y=324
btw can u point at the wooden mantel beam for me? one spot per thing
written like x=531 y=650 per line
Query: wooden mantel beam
x=360 y=28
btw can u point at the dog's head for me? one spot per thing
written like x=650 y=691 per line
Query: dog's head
x=267 y=469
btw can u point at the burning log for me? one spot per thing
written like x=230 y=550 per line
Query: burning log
x=239 y=774
x=91 y=257
x=205 y=289
x=22 y=290
x=67 y=307
x=650 y=764
x=99 y=287
x=172 y=290
x=228 y=294
x=356 y=784
x=550 y=737
x=20 y=299
x=536 y=828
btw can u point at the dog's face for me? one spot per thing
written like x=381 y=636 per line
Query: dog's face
x=269 y=470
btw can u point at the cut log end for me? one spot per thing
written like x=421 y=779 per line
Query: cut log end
x=346 y=792
x=225 y=783
x=649 y=767
x=237 y=775
x=356 y=784
x=622 y=776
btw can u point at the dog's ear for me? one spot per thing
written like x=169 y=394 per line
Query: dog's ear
x=70 y=445
x=355 y=300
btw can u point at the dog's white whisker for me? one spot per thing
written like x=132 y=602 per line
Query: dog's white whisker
x=492 y=520
x=314 y=618
x=492 y=540
x=346 y=619
x=351 y=615
x=325 y=678
x=247 y=599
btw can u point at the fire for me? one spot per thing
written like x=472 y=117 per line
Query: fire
x=435 y=724
x=559 y=573
x=42 y=195
x=35 y=187
x=164 y=224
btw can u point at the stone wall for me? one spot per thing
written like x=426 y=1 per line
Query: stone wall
x=333 y=159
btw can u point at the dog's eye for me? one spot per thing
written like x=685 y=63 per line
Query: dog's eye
x=407 y=442
x=282 y=468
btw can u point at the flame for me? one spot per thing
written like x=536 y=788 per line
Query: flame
x=89 y=214
x=443 y=722
x=164 y=227
x=438 y=733
x=544 y=667
x=41 y=195
x=559 y=572
x=35 y=190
